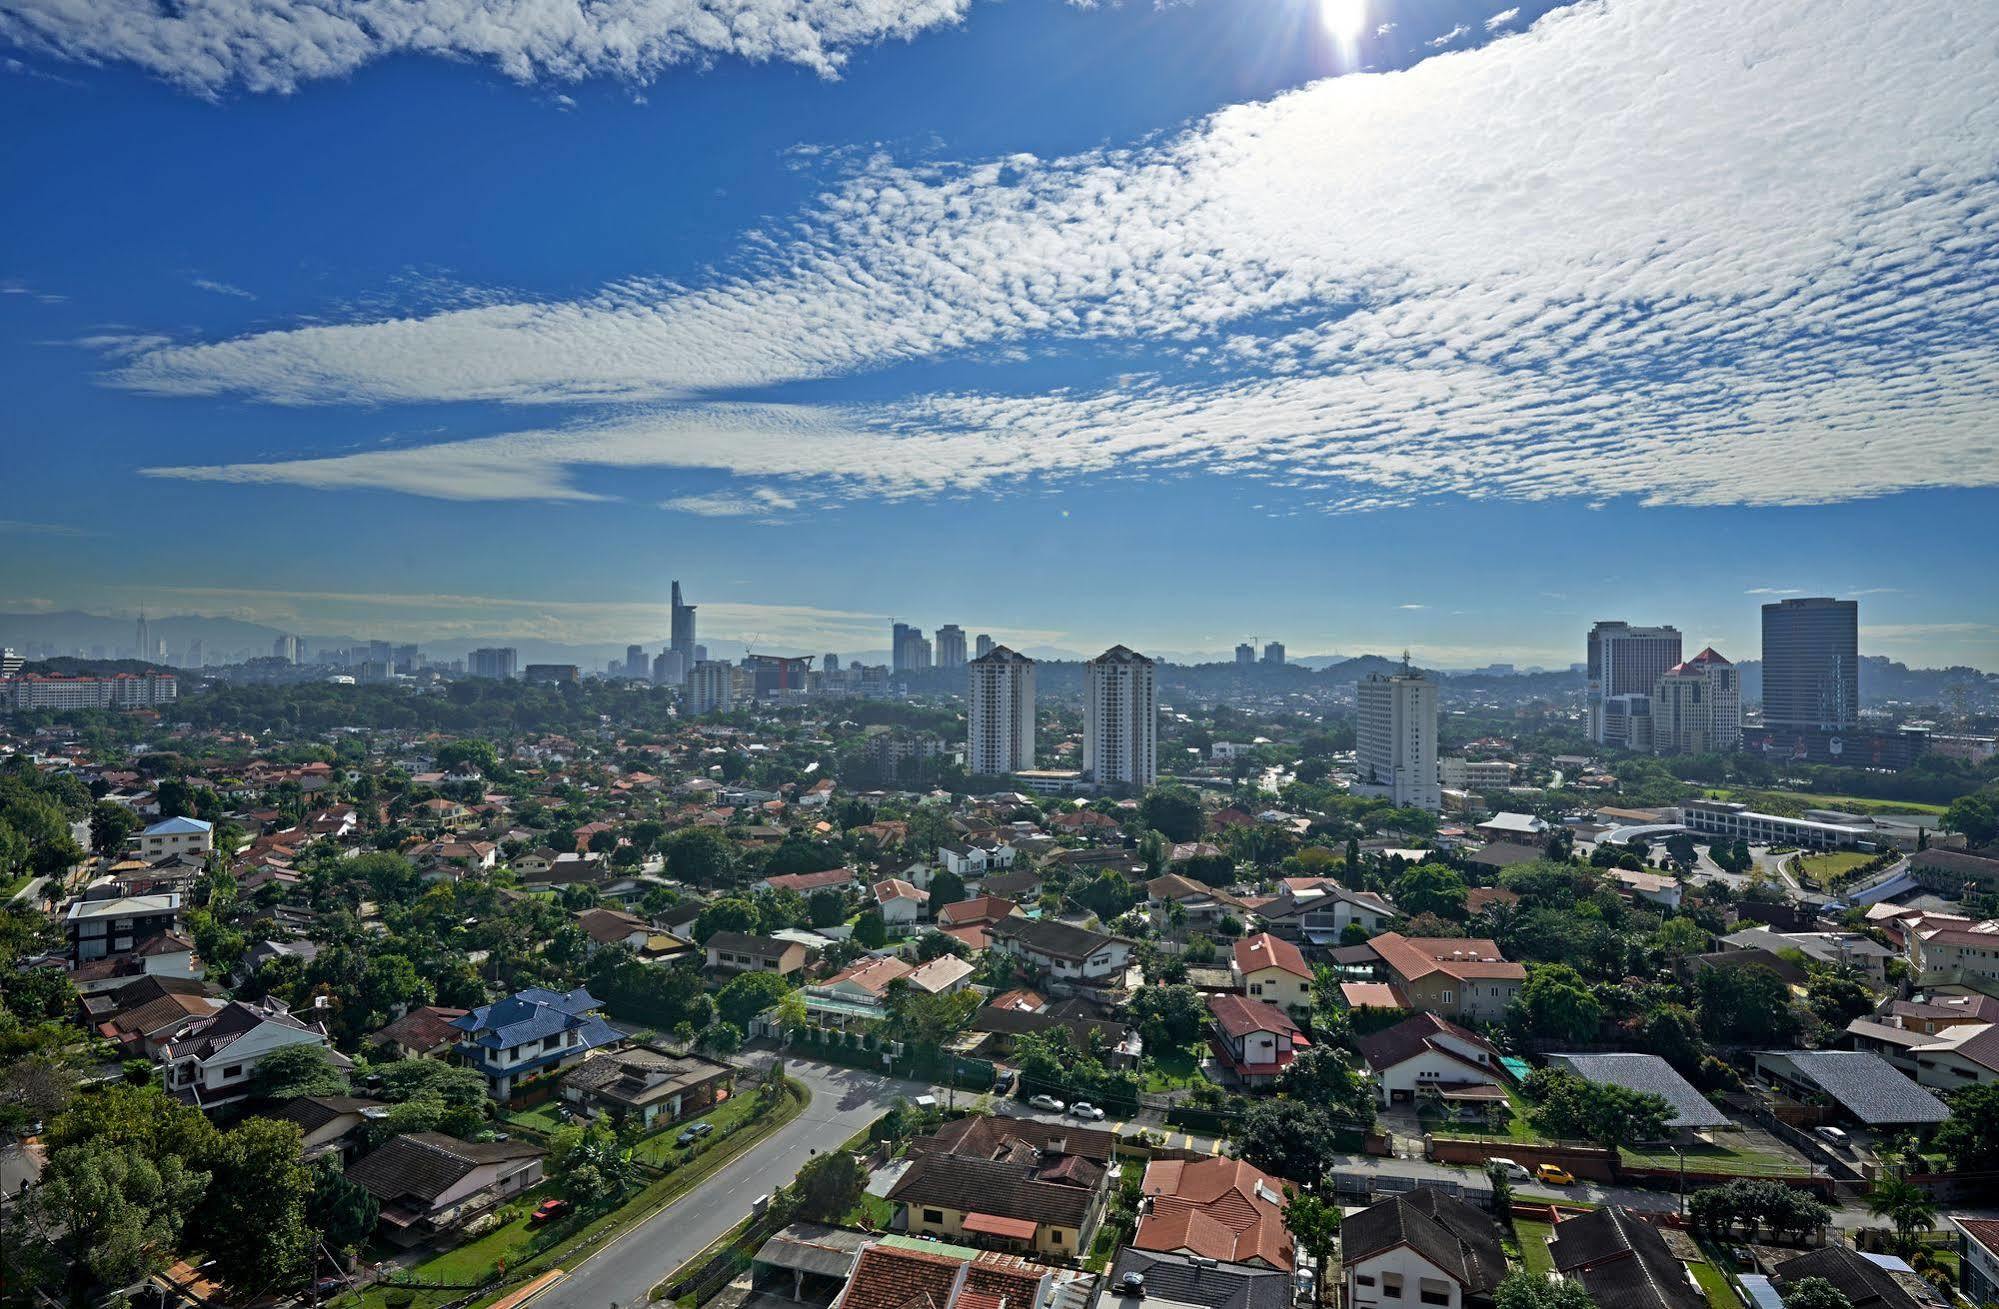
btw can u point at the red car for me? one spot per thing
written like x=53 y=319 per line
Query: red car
x=549 y=1209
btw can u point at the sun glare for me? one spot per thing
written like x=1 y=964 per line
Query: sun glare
x=1345 y=20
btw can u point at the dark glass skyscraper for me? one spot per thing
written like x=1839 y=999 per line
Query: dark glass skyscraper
x=681 y=631
x=1811 y=664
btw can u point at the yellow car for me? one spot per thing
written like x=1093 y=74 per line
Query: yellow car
x=1554 y=1175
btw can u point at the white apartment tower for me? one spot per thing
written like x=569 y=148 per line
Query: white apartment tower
x=1697 y=707
x=1000 y=691
x=1396 y=746
x=711 y=687
x=949 y=646
x=1121 y=719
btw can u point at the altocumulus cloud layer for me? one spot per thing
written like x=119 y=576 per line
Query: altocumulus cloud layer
x=1695 y=253
x=273 y=45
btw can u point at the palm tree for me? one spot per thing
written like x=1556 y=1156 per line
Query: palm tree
x=1904 y=1204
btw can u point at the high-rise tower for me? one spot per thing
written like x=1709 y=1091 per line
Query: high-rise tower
x=1811 y=664
x=681 y=631
x=1000 y=721
x=1121 y=719
x=1395 y=746
x=1626 y=660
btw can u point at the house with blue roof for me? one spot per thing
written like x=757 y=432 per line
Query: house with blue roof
x=175 y=836
x=530 y=1035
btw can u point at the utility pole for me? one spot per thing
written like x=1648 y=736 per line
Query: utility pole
x=1681 y=1151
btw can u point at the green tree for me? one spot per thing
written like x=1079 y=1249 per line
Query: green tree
x=1287 y=1138
x=253 y=1221
x=870 y=931
x=1329 y=1080
x=110 y=824
x=1555 y=1003
x=1814 y=1293
x=946 y=887
x=829 y=1186
x=1525 y=1290
x=1970 y=1137
x=1746 y=1004
x=1568 y=1107
x=117 y=1206
x=828 y=908
x=342 y=1212
x=1167 y=1017
x=1837 y=996
x=1174 y=811
x=1431 y=888
x=1975 y=816
x=700 y=856
x=729 y=914
x=1905 y=1206
x=294 y=1071
x=748 y=994
x=1315 y=1224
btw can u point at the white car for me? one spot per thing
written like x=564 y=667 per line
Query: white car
x=1048 y=1102
x=1514 y=1171
x=1833 y=1136
x=1086 y=1111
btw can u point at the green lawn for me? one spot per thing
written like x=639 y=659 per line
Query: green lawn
x=870 y=1211
x=660 y=1148
x=1825 y=870
x=1173 y=1070
x=1720 y=1159
x=470 y=1262
x=1857 y=804
x=1720 y=1295
x=1512 y=1127
x=1534 y=1236
x=540 y=1119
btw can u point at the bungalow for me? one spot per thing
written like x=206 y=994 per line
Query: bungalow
x=970 y=921
x=1000 y=1027
x=423 y=1033
x=648 y=1084
x=211 y=1061
x=1007 y=1183
x=428 y=1183
x=740 y=952
x=900 y=903
x=974 y=859
x=830 y=879
x=529 y=1034
x=1214 y=1208
x=1420 y=1248
x=1691 y=1111
x=1318 y=911
x=1620 y=1259
x=173 y=836
x=1518 y=829
x=1254 y=1040
x=1201 y=906
x=147 y=1012
x=330 y=1124
x=1426 y=1051
x=1459 y=977
x=1272 y=969
x=1865 y=1283
x=1068 y=954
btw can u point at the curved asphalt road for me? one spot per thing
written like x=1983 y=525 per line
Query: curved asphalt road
x=844 y=1100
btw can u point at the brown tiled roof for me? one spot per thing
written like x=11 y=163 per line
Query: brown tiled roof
x=1218 y=1208
x=1238 y=1015
x=992 y=1186
x=424 y=1165
x=421 y=1029
x=886 y=1277
x=989 y=1136
x=1385 y=1049
x=1255 y=953
x=1463 y=958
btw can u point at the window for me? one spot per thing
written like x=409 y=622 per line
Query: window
x=933 y=1215
x=1363 y=1279
x=233 y=1070
x=1432 y=1291
x=1391 y=1285
x=1055 y=1236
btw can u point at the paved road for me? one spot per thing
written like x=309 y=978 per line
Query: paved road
x=844 y=1100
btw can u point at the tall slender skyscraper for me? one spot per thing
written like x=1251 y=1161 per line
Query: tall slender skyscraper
x=680 y=637
x=1120 y=719
x=950 y=646
x=637 y=666
x=984 y=645
x=144 y=649
x=1626 y=660
x=901 y=643
x=1811 y=664
x=1395 y=747
x=1000 y=724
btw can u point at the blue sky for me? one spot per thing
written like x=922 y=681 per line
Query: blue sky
x=1353 y=325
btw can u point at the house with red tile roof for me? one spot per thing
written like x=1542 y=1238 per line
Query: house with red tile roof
x=1460 y=977
x=1215 y=1208
x=1269 y=968
x=1254 y=1040
x=1426 y=1052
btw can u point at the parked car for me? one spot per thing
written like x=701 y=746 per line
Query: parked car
x=1554 y=1175
x=1514 y=1170
x=1833 y=1136
x=328 y=1286
x=1047 y=1102
x=549 y=1210
x=694 y=1133
x=1086 y=1111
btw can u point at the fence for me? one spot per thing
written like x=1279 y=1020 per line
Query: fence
x=1370 y=1184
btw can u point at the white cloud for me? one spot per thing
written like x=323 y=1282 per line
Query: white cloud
x=1413 y=606
x=274 y=45
x=222 y=288
x=119 y=345
x=1501 y=19
x=765 y=503
x=1774 y=590
x=1448 y=37
x=1598 y=282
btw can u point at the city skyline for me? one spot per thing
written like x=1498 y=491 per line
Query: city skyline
x=913 y=300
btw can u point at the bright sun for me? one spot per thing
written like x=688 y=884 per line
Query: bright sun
x=1345 y=20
